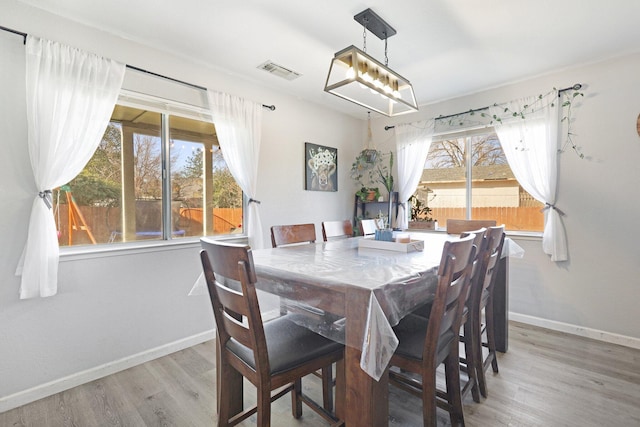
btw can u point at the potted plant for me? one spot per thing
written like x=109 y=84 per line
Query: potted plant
x=421 y=218
x=368 y=170
x=368 y=194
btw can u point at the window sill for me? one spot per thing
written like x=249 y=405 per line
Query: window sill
x=125 y=249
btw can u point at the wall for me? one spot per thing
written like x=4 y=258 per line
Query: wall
x=119 y=308
x=596 y=292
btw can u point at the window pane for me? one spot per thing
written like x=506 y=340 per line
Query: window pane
x=443 y=185
x=495 y=193
x=118 y=197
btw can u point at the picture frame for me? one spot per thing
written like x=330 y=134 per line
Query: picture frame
x=321 y=167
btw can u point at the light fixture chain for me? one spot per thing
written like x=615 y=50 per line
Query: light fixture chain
x=386 y=58
x=364 y=35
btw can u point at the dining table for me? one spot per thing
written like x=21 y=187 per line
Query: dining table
x=366 y=292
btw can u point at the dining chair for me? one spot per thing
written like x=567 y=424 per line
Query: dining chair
x=336 y=229
x=273 y=355
x=368 y=227
x=424 y=344
x=468 y=361
x=298 y=234
x=292 y=234
x=457 y=226
x=481 y=299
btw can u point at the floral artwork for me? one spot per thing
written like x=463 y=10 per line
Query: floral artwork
x=321 y=168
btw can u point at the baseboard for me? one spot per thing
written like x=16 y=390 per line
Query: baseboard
x=79 y=378
x=577 y=330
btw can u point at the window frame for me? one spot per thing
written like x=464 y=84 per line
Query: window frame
x=166 y=108
x=466 y=133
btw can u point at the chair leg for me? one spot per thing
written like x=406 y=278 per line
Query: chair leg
x=263 y=406
x=327 y=388
x=491 y=337
x=296 y=399
x=224 y=399
x=470 y=349
x=452 y=374
x=429 y=400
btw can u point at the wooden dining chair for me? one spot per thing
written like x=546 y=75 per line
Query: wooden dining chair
x=481 y=300
x=336 y=229
x=292 y=234
x=368 y=227
x=468 y=361
x=297 y=234
x=273 y=355
x=424 y=344
x=457 y=226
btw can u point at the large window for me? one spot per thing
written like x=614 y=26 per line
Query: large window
x=466 y=176
x=154 y=176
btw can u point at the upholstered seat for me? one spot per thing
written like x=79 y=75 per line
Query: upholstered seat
x=288 y=345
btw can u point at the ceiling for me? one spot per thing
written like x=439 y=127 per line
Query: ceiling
x=446 y=48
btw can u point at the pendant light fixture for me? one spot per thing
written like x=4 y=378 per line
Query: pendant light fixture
x=357 y=77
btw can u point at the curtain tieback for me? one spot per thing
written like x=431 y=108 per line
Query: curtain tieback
x=46 y=197
x=254 y=201
x=550 y=206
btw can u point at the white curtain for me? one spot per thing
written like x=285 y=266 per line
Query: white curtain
x=412 y=145
x=238 y=125
x=531 y=147
x=70 y=98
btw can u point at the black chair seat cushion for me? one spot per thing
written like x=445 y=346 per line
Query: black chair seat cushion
x=411 y=333
x=289 y=345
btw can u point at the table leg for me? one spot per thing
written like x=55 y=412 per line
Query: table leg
x=367 y=400
x=501 y=305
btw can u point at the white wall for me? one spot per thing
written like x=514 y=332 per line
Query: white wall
x=598 y=289
x=116 y=310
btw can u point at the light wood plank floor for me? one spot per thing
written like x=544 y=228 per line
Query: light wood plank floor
x=546 y=379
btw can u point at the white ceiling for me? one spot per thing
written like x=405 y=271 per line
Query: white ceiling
x=446 y=48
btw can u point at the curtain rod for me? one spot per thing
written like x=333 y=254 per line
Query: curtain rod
x=576 y=86
x=24 y=37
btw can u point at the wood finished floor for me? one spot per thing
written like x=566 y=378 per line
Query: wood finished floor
x=546 y=379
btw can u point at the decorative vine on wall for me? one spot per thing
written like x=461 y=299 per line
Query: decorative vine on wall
x=567 y=98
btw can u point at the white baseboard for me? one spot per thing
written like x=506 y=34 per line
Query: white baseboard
x=31 y=395
x=577 y=330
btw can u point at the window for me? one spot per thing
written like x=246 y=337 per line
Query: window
x=155 y=176
x=467 y=176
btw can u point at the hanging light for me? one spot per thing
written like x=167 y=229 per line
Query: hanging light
x=356 y=76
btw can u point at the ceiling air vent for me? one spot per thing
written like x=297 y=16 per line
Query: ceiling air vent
x=279 y=70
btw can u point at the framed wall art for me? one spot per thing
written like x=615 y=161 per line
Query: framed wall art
x=321 y=167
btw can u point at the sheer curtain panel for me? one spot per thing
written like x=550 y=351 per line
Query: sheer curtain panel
x=531 y=147
x=70 y=98
x=238 y=125
x=412 y=145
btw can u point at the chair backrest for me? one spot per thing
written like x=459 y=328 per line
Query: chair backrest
x=483 y=275
x=230 y=275
x=495 y=243
x=292 y=234
x=457 y=226
x=368 y=226
x=479 y=234
x=454 y=274
x=336 y=229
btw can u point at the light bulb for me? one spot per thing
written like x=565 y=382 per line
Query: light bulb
x=351 y=73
